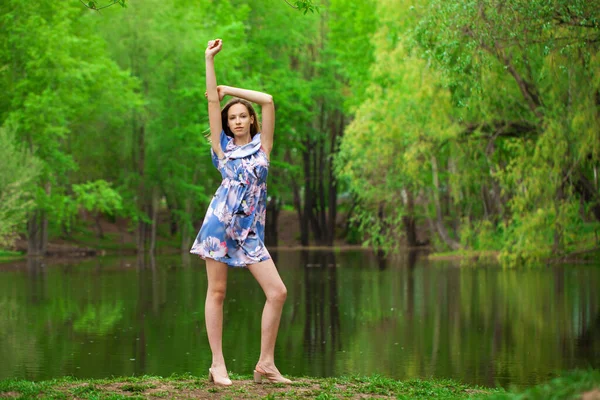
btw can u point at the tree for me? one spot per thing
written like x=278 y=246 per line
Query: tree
x=302 y=69
x=490 y=137
x=539 y=133
x=18 y=172
x=99 y=199
x=53 y=63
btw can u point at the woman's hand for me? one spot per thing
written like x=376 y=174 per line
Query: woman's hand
x=214 y=46
x=220 y=91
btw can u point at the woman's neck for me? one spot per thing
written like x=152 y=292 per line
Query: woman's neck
x=240 y=141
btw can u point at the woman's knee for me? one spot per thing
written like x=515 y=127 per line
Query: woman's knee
x=278 y=294
x=216 y=293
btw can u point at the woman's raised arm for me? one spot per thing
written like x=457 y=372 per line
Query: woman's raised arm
x=267 y=110
x=214 y=105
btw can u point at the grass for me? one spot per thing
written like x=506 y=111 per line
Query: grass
x=7 y=255
x=490 y=255
x=569 y=385
x=110 y=242
x=589 y=254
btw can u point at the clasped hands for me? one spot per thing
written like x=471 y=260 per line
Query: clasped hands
x=212 y=49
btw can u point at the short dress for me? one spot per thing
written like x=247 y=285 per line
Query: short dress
x=233 y=230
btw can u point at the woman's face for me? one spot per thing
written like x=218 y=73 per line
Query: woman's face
x=239 y=120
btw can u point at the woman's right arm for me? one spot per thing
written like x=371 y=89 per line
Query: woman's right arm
x=214 y=105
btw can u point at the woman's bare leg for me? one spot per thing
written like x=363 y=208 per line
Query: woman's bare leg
x=213 y=314
x=269 y=280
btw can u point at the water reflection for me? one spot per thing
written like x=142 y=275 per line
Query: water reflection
x=322 y=319
x=348 y=312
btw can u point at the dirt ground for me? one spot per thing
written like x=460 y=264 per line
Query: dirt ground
x=241 y=389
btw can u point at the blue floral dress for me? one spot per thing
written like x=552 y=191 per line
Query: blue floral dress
x=233 y=230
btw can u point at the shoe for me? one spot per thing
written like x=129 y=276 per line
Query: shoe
x=224 y=382
x=272 y=377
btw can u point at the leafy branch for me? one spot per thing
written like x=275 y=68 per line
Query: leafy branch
x=93 y=5
x=301 y=5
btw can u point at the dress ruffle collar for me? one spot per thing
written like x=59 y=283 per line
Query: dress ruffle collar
x=233 y=151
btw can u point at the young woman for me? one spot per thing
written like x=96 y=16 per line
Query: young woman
x=232 y=234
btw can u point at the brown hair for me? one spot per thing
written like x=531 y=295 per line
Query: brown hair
x=254 y=128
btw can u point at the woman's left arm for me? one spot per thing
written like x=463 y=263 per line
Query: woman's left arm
x=267 y=110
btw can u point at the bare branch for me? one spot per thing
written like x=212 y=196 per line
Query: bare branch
x=290 y=4
x=576 y=22
x=528 y=90
x=496 y=129
x=93 y=5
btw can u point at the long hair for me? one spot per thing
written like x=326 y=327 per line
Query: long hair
x=254 y=127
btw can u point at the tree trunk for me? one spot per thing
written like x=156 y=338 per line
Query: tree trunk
x=155 y=201
x=496 y=207
x=408 y=221
x=332 y=220
x=186 y=229
x=172 y=205
x=308 y=196
x=451 y=210
x=314 y=209
x=142 y=228
x=383 y=228
x=100 y=232
x=349 y=215
x=299 y=210
x=37 y=229
x=36 y=233
x=271 y=233
x=438 y=224
x=337 y=128
x=588 y=192
x=185 y=226
x=558 y=229
x=320 y=172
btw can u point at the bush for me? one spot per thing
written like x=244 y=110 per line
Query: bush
x=19 y=170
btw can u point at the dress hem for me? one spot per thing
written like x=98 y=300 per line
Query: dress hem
x=228 y=264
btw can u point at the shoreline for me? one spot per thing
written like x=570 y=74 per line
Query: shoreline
x=73 y=251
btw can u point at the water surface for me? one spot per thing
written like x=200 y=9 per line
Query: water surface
x=347 y=312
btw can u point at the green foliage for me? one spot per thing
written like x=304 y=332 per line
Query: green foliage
x=118 y=96
x=385 y=152
x=481 y=235
x=8 y=254
x=566 y=386
x=482 y=125
x=304 y=5
x=98 y=197
x=477 y=120
x=62 y=86
x=19 y=170
x=100 y=319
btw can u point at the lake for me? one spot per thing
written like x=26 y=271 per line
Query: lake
x=348 y=312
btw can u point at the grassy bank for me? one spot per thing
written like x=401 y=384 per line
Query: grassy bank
x=7 y=255
x=465 y=255
x=584 y=255
x=578 y=384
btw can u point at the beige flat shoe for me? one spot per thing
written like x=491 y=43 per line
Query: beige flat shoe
x=223 y=382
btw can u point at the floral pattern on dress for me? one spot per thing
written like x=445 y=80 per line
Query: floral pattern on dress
x=233 y=228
